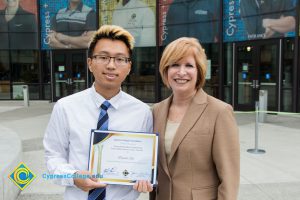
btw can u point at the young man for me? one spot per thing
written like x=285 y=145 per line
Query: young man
x=67 y=138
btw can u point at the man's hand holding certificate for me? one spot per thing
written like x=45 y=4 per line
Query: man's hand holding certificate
x=123 y=157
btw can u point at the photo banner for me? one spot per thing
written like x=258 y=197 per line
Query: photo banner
x=67 y=24
x=194 y=18
x=18 y=24
x=136 y=16
x=260 y=19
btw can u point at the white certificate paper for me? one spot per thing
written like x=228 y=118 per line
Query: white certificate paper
x=123 y=157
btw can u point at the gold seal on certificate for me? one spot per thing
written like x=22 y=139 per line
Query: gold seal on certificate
x=118 y=157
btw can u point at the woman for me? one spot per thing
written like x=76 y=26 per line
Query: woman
x=199 y=143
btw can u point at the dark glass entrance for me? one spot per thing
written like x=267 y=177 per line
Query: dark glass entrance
x=256 y=69
x=69 y=73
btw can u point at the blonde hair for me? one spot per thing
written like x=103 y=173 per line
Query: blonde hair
x=112 y=32
x=178 y=49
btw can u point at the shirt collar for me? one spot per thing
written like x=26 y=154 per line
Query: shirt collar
x=99 y=99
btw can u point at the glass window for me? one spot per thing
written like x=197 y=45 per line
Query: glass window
x=46 y=75
x=46 y=70
x=228 y=67
x=4 y=75
x=165 y=92
x=287 y=75
x=268 y=73
x=24 y=67
x=25 y=70
x=213 y=69
x=141 y=80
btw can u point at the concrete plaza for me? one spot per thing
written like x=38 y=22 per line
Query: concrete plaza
x=274 y=175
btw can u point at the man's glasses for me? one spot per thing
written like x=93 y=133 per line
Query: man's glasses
x=104 y=60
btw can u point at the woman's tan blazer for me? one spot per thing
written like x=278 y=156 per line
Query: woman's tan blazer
x=205 y=153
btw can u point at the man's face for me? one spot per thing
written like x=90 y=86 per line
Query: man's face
x=75 y=1
x=109 y=75
x=12 y=3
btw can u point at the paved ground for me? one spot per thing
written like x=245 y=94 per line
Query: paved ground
x=271 y=176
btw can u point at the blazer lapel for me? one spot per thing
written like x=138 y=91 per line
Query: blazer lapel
x=191 y=116
x=161 y=127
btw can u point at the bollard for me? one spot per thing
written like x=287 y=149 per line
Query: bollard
x=263 y=105
x=26 y=95
x=256 y=150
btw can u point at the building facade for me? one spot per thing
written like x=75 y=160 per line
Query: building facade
x=250 y=47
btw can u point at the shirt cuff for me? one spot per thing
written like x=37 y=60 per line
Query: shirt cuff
x=69 y=181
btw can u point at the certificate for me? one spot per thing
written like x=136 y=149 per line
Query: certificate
x=122 y=158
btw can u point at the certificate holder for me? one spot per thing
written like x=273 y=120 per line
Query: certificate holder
x=119 y=157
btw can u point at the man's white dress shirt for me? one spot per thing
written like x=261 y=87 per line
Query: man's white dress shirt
x=67 y=137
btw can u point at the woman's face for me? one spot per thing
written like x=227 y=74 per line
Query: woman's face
x=182 y=75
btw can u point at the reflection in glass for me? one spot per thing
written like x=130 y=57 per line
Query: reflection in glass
x=268 y=73
x=287 y=75
x=24 y=67
x=69 y=73
x=24 y=71
x=46 y=74
x=165 y=92
x=141 y=81
x=34 y=91
x=246 y=72
x=228 y=67
x=78 y=72
x=60 y=75
x=212 y=76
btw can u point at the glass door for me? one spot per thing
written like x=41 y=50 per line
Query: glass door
x=246 y=76
x=269 y=73
x=78 y=77
x=256 y=69
x=70 y=73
